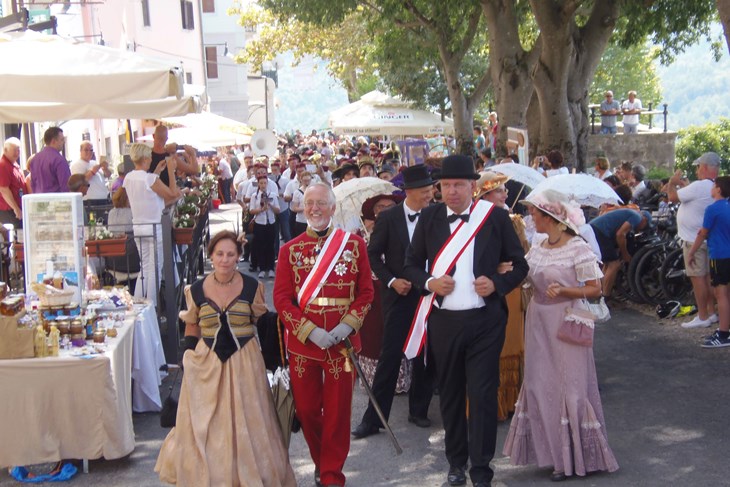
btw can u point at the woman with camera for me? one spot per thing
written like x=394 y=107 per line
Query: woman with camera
x=264 y=206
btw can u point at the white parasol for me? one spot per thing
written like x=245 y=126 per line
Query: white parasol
x=586 y=190
x=520 y=173
x=350 y=197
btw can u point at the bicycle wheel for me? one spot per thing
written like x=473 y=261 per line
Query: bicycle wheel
x=622 y=289
x=632 y=270
x=673 y=280
x=648 y=270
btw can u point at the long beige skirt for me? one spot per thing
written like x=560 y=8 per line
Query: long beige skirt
x=227 y=433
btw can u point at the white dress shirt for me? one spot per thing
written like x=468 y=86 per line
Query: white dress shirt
x=464 y=295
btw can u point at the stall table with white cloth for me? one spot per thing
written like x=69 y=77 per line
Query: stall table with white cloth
x=80 y=407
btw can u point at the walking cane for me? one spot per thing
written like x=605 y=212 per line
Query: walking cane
x=350 y=351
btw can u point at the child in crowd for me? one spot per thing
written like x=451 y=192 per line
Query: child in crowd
x=716 y=229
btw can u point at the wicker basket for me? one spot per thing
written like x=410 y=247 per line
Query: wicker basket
x=56 y=297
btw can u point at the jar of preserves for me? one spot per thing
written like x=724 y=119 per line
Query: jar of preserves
x=77 y=327
x=99 y=335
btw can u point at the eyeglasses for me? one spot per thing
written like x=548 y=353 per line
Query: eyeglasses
x=318 y=204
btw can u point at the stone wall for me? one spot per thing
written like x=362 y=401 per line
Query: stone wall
x=648 y=148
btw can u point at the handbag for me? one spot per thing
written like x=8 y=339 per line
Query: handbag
x=168 y=413
x=577 y=327
x=599 y=309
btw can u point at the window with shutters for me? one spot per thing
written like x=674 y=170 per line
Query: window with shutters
x=211 y=61
x=186 y=10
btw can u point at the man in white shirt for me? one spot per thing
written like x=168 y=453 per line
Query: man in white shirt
x=631 y=109
x=261 y=171
x=225 y=178
x=96 y=175
x=466 y=324
x=393 y=231
x=282 y=219
x=694 y=199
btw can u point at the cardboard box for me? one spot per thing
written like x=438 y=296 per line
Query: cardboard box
x=15 y=342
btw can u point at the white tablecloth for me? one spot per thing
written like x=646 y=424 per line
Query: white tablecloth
x=68 y=407
x=147 y=358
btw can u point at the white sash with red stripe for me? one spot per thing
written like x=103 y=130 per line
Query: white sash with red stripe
x=325 y=261
x=445 y=260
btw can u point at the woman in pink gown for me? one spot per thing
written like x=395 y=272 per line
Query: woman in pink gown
x=558 y=420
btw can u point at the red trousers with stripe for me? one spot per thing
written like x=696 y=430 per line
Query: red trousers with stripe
x=323 y=398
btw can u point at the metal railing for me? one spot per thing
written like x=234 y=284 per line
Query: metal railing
x=596 y=115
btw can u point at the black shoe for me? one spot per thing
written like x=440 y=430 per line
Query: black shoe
x=456 y=476
x=557 y=476
x=364 y=430
x=420 y=422
x=317 y=481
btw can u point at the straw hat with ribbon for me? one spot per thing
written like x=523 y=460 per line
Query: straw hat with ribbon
x=489 y=181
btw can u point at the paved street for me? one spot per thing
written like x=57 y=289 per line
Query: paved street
x=665 y=402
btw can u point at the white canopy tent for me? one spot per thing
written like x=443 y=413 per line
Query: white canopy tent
x=20 y=112
x=214 y=128
x=48 y=77
x=47 y=68
x=379 y=114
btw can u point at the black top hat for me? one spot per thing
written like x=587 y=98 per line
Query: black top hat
x=416 y=177
x=457 y=167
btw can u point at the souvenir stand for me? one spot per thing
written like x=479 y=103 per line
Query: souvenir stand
x=68 y=357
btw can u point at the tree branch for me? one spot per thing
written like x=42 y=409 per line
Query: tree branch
x=471 y=32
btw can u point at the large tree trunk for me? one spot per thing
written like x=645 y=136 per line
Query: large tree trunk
x=567 y=63
x=460 y=111
x=510 y=67
x=723 y=7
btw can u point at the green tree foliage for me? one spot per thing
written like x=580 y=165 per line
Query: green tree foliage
x=694 y=141
x=627 y=69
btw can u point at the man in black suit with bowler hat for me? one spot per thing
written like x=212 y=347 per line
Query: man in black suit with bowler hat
x=387 y=252
x=463 y=316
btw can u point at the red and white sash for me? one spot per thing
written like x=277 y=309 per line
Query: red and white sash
x=325 y=261
x=445 y=260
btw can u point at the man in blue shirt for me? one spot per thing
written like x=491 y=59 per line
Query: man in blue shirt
x=611 y=230
x=609 y=109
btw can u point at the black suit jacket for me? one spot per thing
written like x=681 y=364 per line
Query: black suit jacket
x=495 y=242
x=387 y=251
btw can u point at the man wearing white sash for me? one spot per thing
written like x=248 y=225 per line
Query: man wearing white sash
x=462 y=316
x=322 y=292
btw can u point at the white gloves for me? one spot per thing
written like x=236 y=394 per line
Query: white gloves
x=321 y=338
x=340 y=332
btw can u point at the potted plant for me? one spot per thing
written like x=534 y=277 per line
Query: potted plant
x=106 y=244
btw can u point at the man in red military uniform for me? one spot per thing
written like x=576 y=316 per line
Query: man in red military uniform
x=323 y=290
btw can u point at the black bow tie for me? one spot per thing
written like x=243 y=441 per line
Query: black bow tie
x=321 y=233
x=412 y=217
x=452 y=218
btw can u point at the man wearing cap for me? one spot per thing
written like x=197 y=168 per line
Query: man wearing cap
x=394 y=228
x=631 y=109
x=386 y=172
x=322 y=292
x=694 y=199
x=609 y=109
x=463 y=313
x=367 y=167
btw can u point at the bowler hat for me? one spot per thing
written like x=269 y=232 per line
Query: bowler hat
x=416 y=177
x=457 y=167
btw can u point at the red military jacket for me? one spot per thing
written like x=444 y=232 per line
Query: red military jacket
x=345 y=297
